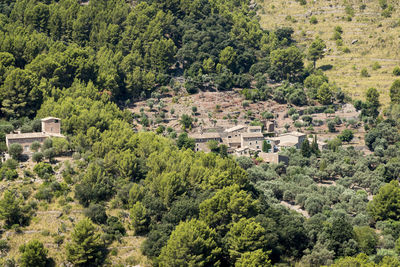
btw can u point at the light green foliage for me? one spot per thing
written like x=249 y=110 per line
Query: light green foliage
x=366 y=238
x=246 y=235
x=139 y=217
x=192 y=243
x=325 y=94
x=85 y=248
x=229 y=204
x=385 y=205
x=60 y=146
x=33 y=254
x=253 y=259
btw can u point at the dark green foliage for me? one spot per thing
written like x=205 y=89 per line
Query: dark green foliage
x=185 y=142
x=395 y=92
x=97 y=213
x=15 y=151
x=114 y=229
x=287 y=64
x=43 y=170
x=346 y=136
x=85 y=248
x=12 y=209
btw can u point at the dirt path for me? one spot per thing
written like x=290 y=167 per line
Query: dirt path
x=295 y=208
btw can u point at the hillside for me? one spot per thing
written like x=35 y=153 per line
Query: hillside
x=377 y=39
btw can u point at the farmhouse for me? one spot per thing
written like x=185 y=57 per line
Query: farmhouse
x=51 y=127
x=292 y=139
x=201 y=140
x=252 y=140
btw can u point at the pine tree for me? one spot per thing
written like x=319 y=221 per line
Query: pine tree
x=33 y=254
x=85 y=248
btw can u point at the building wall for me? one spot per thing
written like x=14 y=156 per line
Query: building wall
x=201 y=144
x=26 y=142
x=253 y=142
x=237 y=133
x=288 y=138
x=51 y=126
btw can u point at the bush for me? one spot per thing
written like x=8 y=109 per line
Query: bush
x=97 y=213
x=313 y=20
x=376 y=66
x=364 y=72
x=49 y=154
x=15 y=151
x=48 y=143
x=396 y=71
x=35 y=146
x=37 y=157
x=43 y=169
x=33 y=254
x=331 y=126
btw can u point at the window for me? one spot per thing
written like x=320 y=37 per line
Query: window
x=56 y=121
x=258 y=147
x=256 y=142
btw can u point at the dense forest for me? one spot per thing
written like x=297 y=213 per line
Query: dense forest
x=84 y=62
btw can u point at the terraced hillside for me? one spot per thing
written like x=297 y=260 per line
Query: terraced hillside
x=369 y=39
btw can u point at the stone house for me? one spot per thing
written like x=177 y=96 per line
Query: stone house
x=274 y=158
x=254 y=129
x=292 y=139
x=252 y=140
x=235 y=131
x=51 y=127
x=201 y=140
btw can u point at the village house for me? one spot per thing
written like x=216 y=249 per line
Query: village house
x=321 y=145
x=292 y=139
x=274 y=158
x=254 y=129
x=201 y=140
x=51 y=127
x=235 y=131
x=252 y=140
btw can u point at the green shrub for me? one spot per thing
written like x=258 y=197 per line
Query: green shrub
x=37 y=157
x=313 y=20
x=396 y=71
x=15 y=151
x=364 y=72
x=376 y=66
x=43 y=169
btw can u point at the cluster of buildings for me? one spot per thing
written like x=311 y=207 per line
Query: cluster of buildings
x=243 y=140
x=51 y=127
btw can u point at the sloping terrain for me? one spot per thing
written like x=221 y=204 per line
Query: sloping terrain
x=370 y=40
